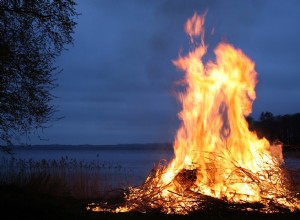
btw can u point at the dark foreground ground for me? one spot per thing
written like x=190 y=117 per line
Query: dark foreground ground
x=17 y=203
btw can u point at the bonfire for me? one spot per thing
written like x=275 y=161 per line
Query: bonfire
x=217 y=159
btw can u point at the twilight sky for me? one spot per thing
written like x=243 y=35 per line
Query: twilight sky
x=118 y=82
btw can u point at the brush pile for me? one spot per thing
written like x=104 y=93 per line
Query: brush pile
x=183 y=195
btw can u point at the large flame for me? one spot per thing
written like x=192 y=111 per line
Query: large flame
x=216 y=156
x=214 y=130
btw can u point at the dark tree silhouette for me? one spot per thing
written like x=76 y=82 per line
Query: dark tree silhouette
x=32 y=34
x=288 y=129
x=283 y=128
x=267 y=126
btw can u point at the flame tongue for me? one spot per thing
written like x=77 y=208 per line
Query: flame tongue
x=214 y=136
x=216 y=156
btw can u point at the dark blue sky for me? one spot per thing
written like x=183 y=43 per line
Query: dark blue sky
x=118 y=81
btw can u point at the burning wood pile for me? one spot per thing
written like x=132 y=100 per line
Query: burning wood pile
x=218 y=161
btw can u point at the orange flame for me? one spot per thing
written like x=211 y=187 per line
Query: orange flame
x=194 y=26
x=214 y=137
x=215 y=153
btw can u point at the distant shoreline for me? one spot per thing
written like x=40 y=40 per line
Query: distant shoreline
x=149 y=146
x=165 y=146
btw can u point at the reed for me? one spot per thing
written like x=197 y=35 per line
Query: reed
x=66 y=176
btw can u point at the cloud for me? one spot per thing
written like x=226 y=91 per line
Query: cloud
x=118 y=80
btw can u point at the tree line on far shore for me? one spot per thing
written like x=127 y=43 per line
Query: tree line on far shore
x=283 y=128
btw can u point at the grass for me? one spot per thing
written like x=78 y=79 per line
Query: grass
x=67 y=176
x=56 y=189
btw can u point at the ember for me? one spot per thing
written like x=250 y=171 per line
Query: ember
x=217 y=159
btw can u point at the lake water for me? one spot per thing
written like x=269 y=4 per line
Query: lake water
x=138 y=159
